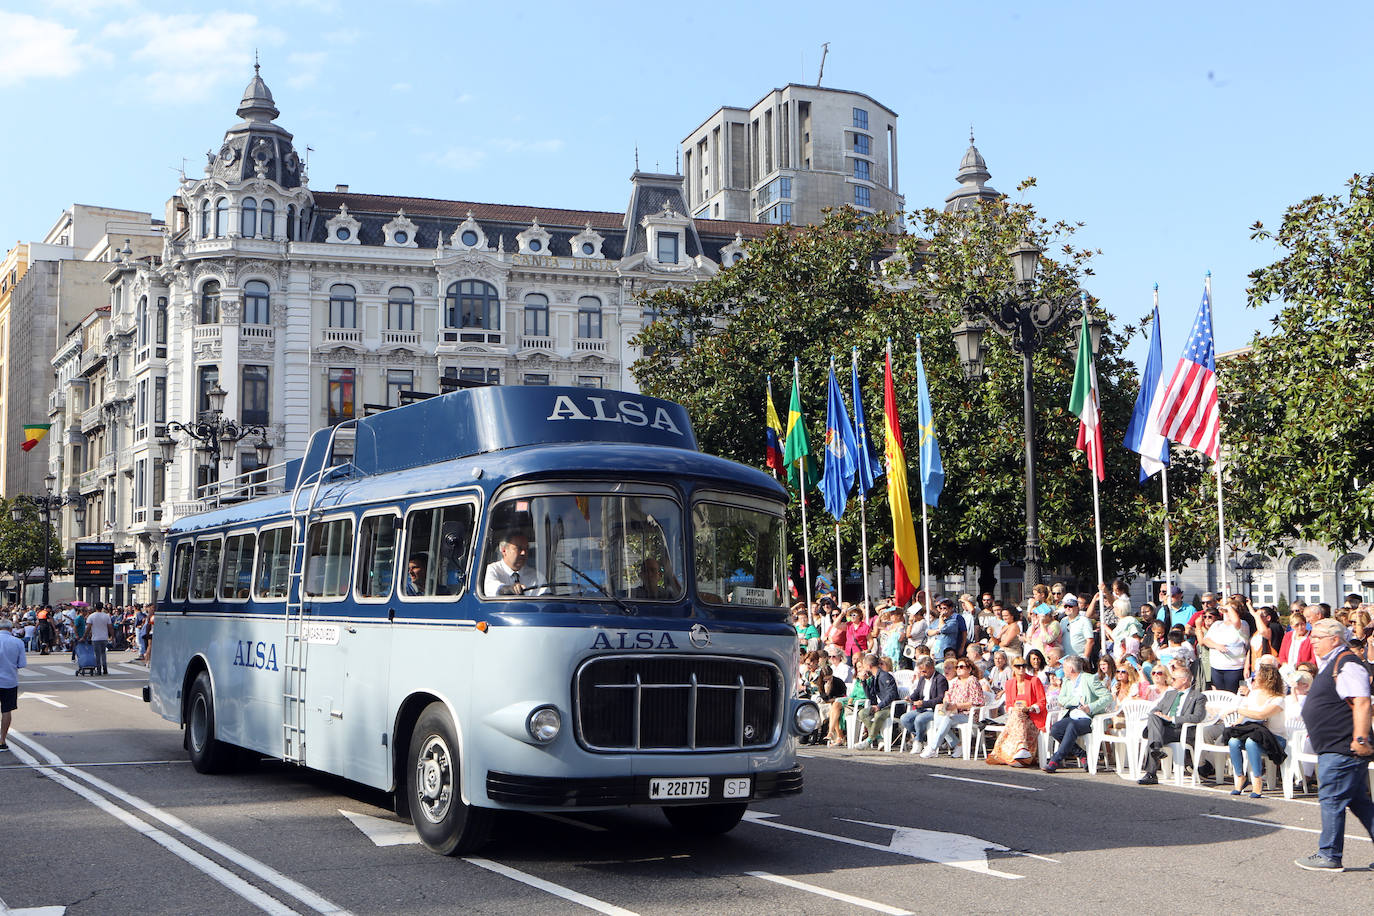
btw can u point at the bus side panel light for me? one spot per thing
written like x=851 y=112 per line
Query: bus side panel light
x=481 y=626
x=544 y=724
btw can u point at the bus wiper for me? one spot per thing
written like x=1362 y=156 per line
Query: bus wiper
x=600 y=588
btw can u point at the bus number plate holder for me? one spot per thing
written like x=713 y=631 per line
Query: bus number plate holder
x=677 y=789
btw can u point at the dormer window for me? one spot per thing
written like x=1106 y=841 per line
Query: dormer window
x=668 y=247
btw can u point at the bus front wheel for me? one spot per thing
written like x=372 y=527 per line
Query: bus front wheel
x=444 y=822
x=705 y=820
x=208 y=754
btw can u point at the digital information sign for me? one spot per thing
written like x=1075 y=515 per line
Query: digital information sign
x=95 y=565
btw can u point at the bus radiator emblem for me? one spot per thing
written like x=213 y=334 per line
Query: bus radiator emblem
x=699 y=636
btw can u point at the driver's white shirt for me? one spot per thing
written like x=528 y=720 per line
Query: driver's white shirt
x=500 y=577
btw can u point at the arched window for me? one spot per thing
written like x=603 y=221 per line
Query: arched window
x=221 y=216
x=205 y=218
x=209 y=302
x=290 y=222
x=1348 y=576
x=536 y=315
x=472 y=304
x=268 y=220
x=1305 y=579
x=400 y=309
x=143 y=321
x=589 y=318
x=257 y=303
x=343 y=307
x=248 y=218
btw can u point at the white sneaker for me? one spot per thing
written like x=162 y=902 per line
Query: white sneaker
x=957 y=753
x=928 y=753
x=917 y=747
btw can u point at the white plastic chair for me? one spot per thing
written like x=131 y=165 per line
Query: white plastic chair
x=905 y=681
x=1201 y=746
x=852 y=723
x=1219 y=703
x=1125 y=744
x=1298 y=755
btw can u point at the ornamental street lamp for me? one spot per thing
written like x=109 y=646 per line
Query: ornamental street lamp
x=45 y=504
x=1028 y=320
x=215 y=436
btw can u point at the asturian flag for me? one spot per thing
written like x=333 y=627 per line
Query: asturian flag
x=867 y=468
x=932 y=468
x=840 y=450
x=1190 y=413
x=1083 y=403
x=1145 y=433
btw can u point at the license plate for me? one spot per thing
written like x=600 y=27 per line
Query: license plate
x=674 y=789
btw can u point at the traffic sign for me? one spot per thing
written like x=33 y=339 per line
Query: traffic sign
x=136 y=577
x=94 y=565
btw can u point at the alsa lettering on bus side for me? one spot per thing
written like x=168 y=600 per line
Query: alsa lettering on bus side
x=623 y=639
x=250 y=654
x=632 y=413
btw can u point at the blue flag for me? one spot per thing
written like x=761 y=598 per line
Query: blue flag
x=1145 y=434
x=932 y=470
x=867 y=468
x=840 y=451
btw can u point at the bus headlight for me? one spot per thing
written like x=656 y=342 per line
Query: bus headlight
x=806 y=717
x=544 y=724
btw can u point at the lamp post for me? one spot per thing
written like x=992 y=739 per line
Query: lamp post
x=1028 y=319
x=45 y=505
x=216 y=436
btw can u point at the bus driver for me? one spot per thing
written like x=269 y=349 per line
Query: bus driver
x=508 y=575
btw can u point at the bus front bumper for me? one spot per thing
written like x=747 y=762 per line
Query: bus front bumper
x=615 y=792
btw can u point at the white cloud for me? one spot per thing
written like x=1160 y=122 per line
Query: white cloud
x=192 y=55
x=35 y=48
x=87 y=8
x=401 y=87
x=304 y=68
x=342 y=36
x=464 y=98
x=528 y=146
x=460 y=158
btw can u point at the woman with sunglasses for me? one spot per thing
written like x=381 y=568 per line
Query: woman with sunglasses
x=1228 y=640
x=965 y=692
x=1026 y=713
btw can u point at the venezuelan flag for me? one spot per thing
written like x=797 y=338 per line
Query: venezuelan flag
x=906 y=559
x=34 y=433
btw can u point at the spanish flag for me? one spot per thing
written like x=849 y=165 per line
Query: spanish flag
x=906 y=559
x=34 y=433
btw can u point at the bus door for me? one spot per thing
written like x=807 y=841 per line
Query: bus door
x=328 y=611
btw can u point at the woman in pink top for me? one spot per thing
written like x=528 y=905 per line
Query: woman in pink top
x=856 y=636
x=965 y=692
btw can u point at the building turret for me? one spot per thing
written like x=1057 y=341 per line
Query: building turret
x=972 y=178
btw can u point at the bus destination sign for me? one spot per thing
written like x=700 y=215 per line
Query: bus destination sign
x=95 y=565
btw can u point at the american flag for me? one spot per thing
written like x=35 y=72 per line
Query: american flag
x=1190 y=413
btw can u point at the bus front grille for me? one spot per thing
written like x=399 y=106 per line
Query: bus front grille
x=666 y=703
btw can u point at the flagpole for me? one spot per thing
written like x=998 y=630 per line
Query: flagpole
x=863 y=500
x=1221 y=518
x=1168 y=527
x=801 y=491
x=1097 y=510
x=925 y=522
x=839 y=578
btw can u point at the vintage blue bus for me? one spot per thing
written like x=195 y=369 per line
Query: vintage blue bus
x=527 y=598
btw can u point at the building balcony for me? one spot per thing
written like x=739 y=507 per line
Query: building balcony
x=264 y=332
x=401 y=338
x=106 y=467
x=205 y=332
x=90 y=359
x=530 y=342
x=351 y=336
x=583 y=345
x=171 y=511
x=92 y=418
x=471 y=336
x=57 y=401
x=88 y=481
x=146 y=519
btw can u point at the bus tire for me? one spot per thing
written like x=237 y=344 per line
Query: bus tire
x=208 y=754
x=433 y=782
x=705 y=820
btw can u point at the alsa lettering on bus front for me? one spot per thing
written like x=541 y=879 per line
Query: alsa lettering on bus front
x=260 y=655
x=631 y=413
x=623 y=639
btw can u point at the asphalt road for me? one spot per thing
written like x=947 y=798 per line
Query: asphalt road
x=102 y=815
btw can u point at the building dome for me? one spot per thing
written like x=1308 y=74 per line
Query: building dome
x=973 y=176
x=255 y=147
x=257 y=104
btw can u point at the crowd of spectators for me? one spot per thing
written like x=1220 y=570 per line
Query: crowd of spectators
x=1057 y=665
x=47 y=629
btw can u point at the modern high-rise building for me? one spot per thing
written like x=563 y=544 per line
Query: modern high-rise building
x=796 y=151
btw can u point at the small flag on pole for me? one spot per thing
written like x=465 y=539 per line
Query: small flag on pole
x=773 y=434
x=932 y=469
x=34 y=433
x=1144 y=434
x=906 y=558
x=1190 y=413
x=838 y=477
x=796 y=446
x=1083 y=401
x=866 y=466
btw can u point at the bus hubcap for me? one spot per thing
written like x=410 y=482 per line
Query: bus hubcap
x=434 y=778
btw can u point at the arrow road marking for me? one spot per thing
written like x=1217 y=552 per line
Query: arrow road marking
x=956 y=850
x=43 y=698
x=381 y=831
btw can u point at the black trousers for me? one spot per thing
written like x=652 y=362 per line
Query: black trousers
x=1157 y=734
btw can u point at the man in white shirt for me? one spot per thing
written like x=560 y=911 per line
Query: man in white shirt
x=508 y=575
x=1079 y=632
x=98 y=629
x=12 y=658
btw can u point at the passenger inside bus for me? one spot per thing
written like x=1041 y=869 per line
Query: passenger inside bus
x=417 y=574
x=654 y=582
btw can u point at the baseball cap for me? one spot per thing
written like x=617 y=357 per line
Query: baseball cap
x=1071 y=599
x=1176 y=590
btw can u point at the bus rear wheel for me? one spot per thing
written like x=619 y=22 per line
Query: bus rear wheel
x=445 y=823
x=705 y=820
x=208 y=754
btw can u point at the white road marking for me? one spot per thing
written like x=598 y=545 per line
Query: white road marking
x=67 y=671
x=32 y=910
x=833 y=895
x=557 y=890
x=243 y=860
x=114 y=763
x=177 y=848
x=1249 y=820
x=984 y=782
x=572 y=821
x=954 y=849
x=381 y=831
x=123 y=693
x=43 y=698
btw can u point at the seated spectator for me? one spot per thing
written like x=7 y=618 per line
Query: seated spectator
x=1035 y=665
x=1000 y=672
x=880 y=692
x=1025 y=719
x=964 y=694
x=1082 y=697
x=1254 y=735
x=829 y=690
x=927 y=692
x=1182 y=704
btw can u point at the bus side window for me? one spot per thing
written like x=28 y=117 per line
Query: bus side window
x=439 y=550
x=376 y=555
x=238 y=566
x=329 y=546
x=181 y=571
x=206 y=569
x=274 y=563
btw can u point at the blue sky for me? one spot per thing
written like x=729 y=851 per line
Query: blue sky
x=1167 y=128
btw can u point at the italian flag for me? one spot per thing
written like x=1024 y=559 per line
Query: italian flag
x=1083 y=403
x=34 y=433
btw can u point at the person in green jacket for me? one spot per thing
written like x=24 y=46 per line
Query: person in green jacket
x=1082 y=697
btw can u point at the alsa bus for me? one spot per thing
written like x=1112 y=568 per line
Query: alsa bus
x=506 y=598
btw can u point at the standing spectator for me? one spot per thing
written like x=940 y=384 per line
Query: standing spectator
x=12 y=658
x=1082 y=697
x=856 y=634
x=948 y=629
x=1009 y=637
x=1080 y=637
x=1229 y=642
x=99 y=627
x=1337 y=717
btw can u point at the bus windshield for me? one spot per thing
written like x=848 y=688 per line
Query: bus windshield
x=586 y=544
x=738 y=553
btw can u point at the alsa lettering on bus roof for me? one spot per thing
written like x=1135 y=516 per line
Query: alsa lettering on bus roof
x=623 y=639
x=250 y=654
x=632 y=413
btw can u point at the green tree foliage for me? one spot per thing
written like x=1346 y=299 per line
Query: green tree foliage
x=21 y=543
x=1298 y=427
x=817 y=292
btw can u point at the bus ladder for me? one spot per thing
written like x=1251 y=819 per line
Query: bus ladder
x=294 y=645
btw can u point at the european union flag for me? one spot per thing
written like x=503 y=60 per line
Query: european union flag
x=932 y=470
x=867 y=468
x=840 y=451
